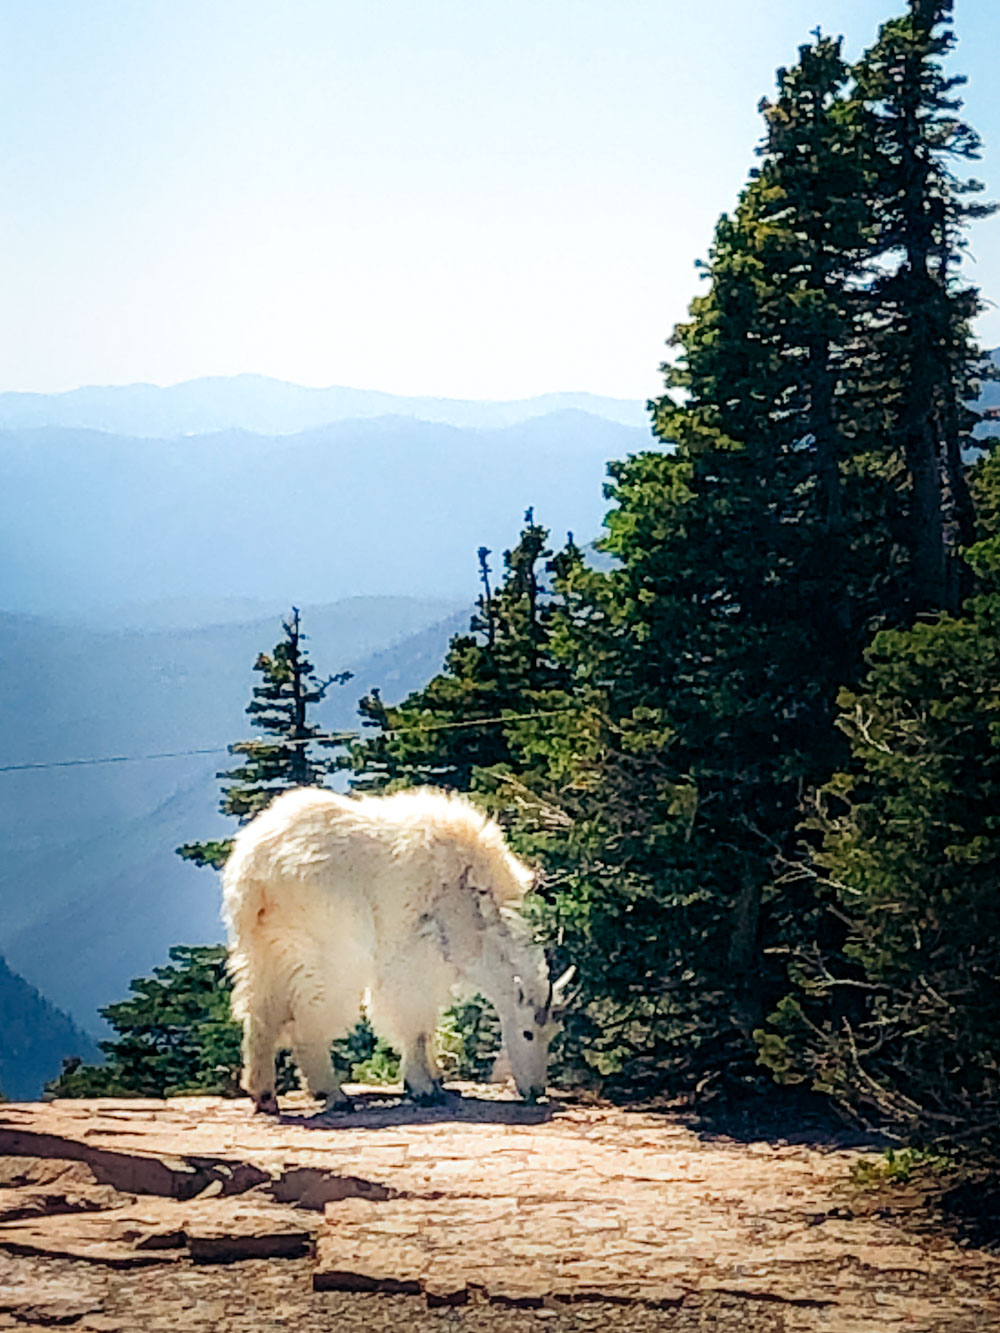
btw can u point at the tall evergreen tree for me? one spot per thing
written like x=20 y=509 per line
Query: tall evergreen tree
x=921 y=311
x=892 y=1007
x=710 y=654
x=288 y=758
x=753 y=559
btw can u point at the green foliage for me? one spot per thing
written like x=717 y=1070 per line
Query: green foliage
x=174 y=1035
x=899 y=1166
x=214 y=852
x=746 y=567
x=468 y=1040
x=380 y=1066
x=893 y=1007
x=280 y=706
x=920 y=312
x=898 y=1017
x=452 y=732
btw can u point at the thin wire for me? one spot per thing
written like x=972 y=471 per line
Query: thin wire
x=480 y=722
x=307 y=740
x=111 y=759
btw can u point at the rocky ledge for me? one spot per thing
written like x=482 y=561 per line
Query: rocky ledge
x=481 y=1200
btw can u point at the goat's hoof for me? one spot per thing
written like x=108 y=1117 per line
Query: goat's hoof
x=265 y=1104
x=433 y=1096
x=334 y=1101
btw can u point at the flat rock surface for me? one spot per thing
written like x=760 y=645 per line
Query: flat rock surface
x=477 y=1210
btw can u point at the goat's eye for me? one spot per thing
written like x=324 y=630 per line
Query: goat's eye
x=528 y=1036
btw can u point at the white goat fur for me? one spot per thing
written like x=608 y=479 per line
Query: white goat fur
x=406 y=896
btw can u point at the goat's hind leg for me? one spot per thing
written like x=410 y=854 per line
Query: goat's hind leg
x=311 y=1052
x=260 y=1039
x=260 y=1001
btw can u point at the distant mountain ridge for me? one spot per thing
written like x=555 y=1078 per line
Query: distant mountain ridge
x=264 y=405
x=269 y=406
x=91 y=520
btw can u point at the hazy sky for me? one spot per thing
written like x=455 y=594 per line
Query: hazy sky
x=439 y=196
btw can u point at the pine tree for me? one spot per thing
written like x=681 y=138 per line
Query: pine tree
x=892 y=1008
x=753 y=559
x=460 y=730
x=709 y=656
x=778 y=415
x=920 y=331
x=279 y=706
x=174 y=1035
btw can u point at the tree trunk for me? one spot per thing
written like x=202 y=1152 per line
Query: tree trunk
x=298 y=765
x=822 y=426
x=744 y=959
x=920 y=309
x=962 y=513
x=930 y=590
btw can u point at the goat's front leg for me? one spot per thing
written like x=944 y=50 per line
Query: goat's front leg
x=421 y=1073
x=409 y=1026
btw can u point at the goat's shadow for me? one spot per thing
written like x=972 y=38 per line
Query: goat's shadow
x=382 y=1110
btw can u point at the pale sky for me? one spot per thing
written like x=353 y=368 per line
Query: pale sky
x=442 y=197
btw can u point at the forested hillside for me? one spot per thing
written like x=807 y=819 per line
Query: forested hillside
x=35 y=1038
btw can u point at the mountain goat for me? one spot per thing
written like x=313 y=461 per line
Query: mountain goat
x=405 y=896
